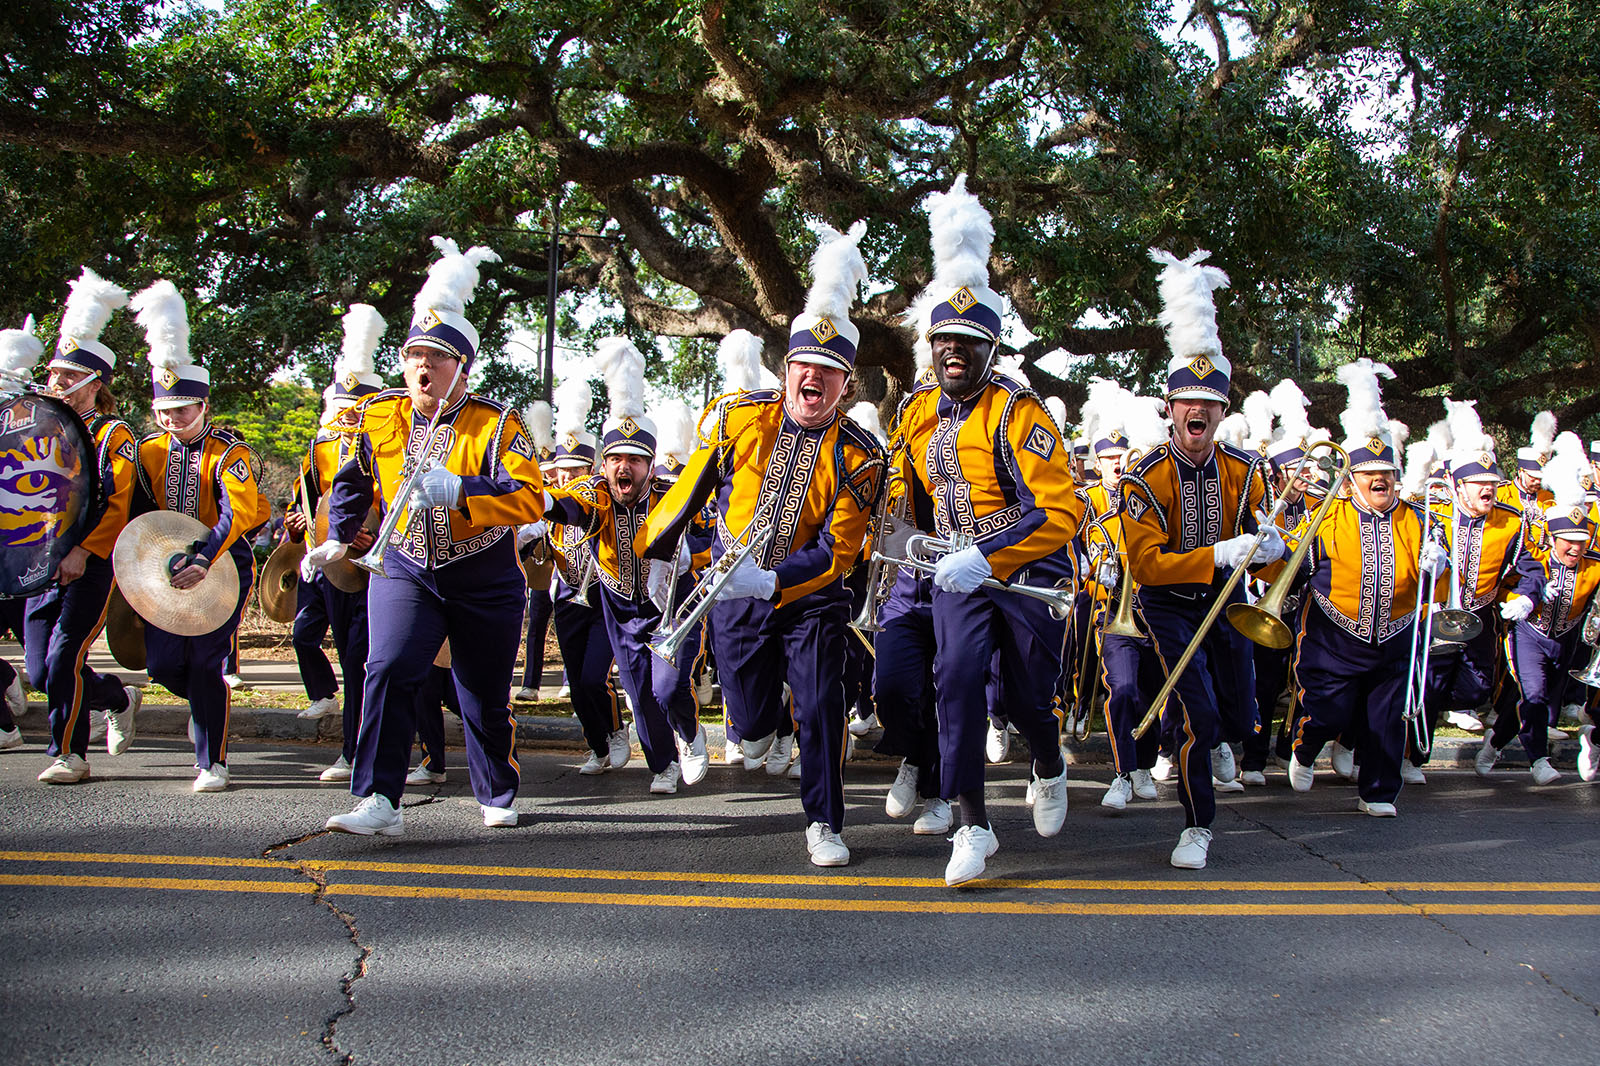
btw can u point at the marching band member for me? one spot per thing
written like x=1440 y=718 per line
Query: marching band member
x=208 y=473
x=62 y=621
x=451 y=569
x=1554 y=590
x=1357 y=631
x=319 y=605
x=1190 y=511
x=789 y=468
x=613 y=506
x=989 y=456
x=1525 y=491
x=1485 y=538
x=533 y=543
x=580 y=628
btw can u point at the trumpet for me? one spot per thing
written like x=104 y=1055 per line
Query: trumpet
x=671 y=634
x=923 y=553
x=881 y=569
x=1452 y=622
x=400 y=508
x=1590 y=675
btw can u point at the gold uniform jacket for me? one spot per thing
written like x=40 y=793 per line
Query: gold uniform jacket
x=610 y=531
x=118 y=455
x=1485 y=550
x=329 y=451
x=997 y=471
x=214 y=479
x=816 y=487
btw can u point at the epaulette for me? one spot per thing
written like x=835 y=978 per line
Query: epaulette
x=859 y=436
x=1501 y=505
x=1149 y=459
x=753 y=397
x=1247 y=458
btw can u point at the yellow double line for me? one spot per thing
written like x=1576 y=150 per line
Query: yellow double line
x=1270 y=904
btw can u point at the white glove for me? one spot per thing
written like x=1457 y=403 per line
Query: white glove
x=1552 y=590
x=1107 y=573
x=962 y=571
x=749 y=580
x=895 y=536
x=329 y=551
x=656 y=584
x=437 y=487
x=1516 y=609
x=532 y=531
x=1435 y=560
x=1272 y=547
x=1228 y=554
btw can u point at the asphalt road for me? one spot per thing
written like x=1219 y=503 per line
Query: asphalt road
x=144 y=923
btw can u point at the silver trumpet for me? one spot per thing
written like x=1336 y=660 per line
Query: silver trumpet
x=923 y=553
x=1590 y=675
x=695 y=606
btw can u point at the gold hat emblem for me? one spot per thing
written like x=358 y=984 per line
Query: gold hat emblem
x=572 y=442
x=429 y=319
x=69 y=346
x=962 y=299
x=672 y=462
x=168 y=377
x=1486 y=459
x=1375 y=445
x=824 y=331
x=1578 y=516
x=1200 y=366
x=351 y=381
x=629 y=427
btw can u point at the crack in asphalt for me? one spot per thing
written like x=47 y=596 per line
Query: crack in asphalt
x=1392 y=894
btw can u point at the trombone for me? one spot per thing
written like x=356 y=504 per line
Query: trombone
x=1260 y=621
x=882 y=570
x=923 y=553
x=671 y=634
x=1590 y=675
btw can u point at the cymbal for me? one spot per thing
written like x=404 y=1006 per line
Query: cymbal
x=343 y=574
x=124 y=632
x=280 y=581
x=145 y=548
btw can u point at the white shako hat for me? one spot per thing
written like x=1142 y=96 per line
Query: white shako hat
x=540 y=420
x=353 y=375
x=90 y=303
x=675 y=437
x=1294 y=428
x=174 y=377
x=1103 y=416
x=20 y=350
x=627 y=431
x=1197 y=369
x=824 y=334
x=1369 y=435
x=575 y=445
x=1472 y=450
x=958 y=299
x=438 y=312
x=1567 y=517
x=1541 y=441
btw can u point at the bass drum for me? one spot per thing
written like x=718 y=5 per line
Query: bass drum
x=49 y=489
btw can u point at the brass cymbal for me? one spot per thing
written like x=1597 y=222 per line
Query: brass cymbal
x=280 y=580
x=124 y=632
x=140 y=559
x=343 y=574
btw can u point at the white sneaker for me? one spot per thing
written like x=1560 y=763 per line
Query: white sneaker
x=1223 y=768
x=339 y=771
x=236 y=682
x=212 y=779
x=1117 y=796
x=860 y=727
x=1378 y=809
x=902 y=797
x=375 y=814
x=498 y=817
x=1300 y=775
x=1552 y=734
x=1588 y=755
x=692 y=757
x=825 y=846
x=1219 y=785
x=934 y=820
x=594 y=765
x=1144 y=785
x=704 y=690
x=1465 y=720
x=972 y=845
x=564 y=691
x=794 y=767
x=321 y=708
x=1344 y=761
x=424 y=776
x=1544 y=773
x=780 y=754
x=1027 y=794
x=666 y=782
x=97 y=727
x=1162 y=769
x=1194 y=844
x=849 y=748
x=1410 y=774
x=618 y=749
x=997 y=745
x=525 y=695
x=731 y=752
x=120 y=725
x=1580 y=712
x=67 y=770
x=1050 y=801
x=755 y=751
x=10 y=738
x=1253 y=777
x=1486 y=758
x=16 y=702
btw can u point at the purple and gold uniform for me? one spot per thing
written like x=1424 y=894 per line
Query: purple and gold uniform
x=449 y=573
x=213 y=478
x=582 y=638
x=63 y=621
x=1173 y=512
x=995 y=469
x=1129 y=669
x=815 y=488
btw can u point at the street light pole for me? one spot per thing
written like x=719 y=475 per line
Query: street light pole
x=552 y=289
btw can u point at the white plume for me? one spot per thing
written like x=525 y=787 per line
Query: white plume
x=1420 y=458
x=675 y=433
x=540 y=421
x=1144 y=422
x=165 y=317
x=1057 y=408
x=574 y=398
x=739 y=356
x=1542 y=434
x=1289 y=405
x=451 y=278
x=363 y=329
x=961 y=233
x=865 y=415
x=89 y=306
x=1399 y=433
x=1257 y=408
x=1466 y=428
x=1563 y=474
x=1105 y=409
x=1439 y=438
x=1234 y=430
x=1188 y=311
x=20 y=349
x=1363 y=416
x=622 y=367
x=837 y=271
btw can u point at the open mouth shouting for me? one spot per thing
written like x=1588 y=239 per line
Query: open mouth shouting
x=812 y=391
x=959 y=362
x=1194 y=425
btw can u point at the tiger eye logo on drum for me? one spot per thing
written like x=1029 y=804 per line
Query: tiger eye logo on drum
x=35 y=481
